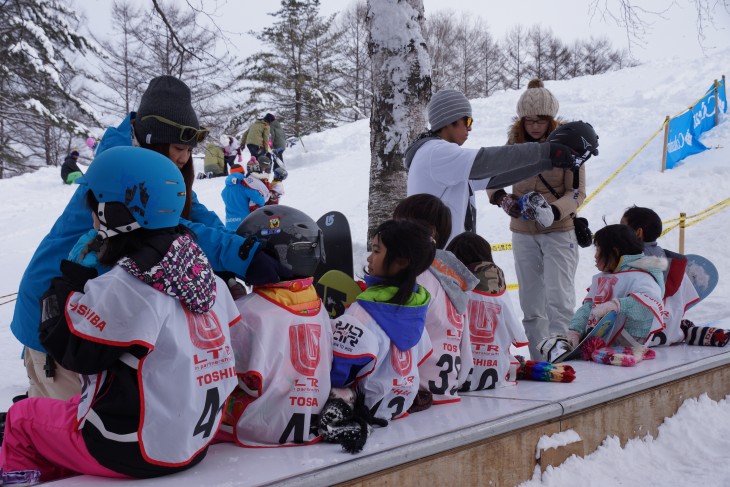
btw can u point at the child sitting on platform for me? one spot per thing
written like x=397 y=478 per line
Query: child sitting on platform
x=380 y=341
x=283 y=343
x=493 y=325
x=449 y=282
x=632 y=285
x=679 y=293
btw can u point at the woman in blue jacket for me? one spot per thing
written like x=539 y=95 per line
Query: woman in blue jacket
x=166 y=123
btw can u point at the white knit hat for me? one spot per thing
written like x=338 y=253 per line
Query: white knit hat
x=537 y=100
x=447 y=106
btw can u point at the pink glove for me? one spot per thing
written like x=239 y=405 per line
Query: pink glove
x=510 y=206
x=601 y=310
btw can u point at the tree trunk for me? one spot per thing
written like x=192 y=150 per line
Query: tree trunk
x=401 y=90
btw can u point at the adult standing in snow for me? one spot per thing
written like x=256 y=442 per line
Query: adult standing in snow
x=546 y=253
x=70 y=169
x=278 y=139
x=256 y=138
x=166 y=123
x=438 y=165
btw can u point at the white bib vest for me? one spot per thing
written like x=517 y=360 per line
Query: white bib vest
x=390 y=381
x=185 y=378
x=442 y=372
x=493 y=327
x=290 y=356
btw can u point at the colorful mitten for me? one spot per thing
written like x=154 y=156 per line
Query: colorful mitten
x=544 y=371
x=590 y=346
x=623 y=356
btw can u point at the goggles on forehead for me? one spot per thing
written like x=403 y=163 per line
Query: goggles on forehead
x=187 y=133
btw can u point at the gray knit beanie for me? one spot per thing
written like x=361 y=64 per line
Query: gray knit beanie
x=537 y=100
x=447 y=106
x=166 y=97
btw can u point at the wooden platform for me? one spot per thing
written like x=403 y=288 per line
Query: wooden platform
x=489 y=438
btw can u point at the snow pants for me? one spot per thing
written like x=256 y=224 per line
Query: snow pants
x=545 y=264
x=41 y=434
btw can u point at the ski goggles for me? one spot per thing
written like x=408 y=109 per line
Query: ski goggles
x=187 y=133
x=468 y=121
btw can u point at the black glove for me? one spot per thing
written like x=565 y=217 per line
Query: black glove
x=562 y=156
x=264 y=269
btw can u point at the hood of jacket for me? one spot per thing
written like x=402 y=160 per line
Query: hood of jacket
x=120 y=136
x=491 y=278
x=454 y=277
x=174 y=264
x=404 y=324
x=297 y=295
x=647 y=263
x=413 y=148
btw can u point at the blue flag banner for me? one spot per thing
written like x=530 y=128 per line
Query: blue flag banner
x=681 y=141
x=686 y=128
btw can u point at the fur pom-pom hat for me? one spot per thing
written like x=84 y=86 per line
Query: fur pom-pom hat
x=537 y=100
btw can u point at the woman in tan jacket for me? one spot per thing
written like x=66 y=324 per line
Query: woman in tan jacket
x=546 y=258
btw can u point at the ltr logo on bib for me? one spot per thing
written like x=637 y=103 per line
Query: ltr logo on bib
x=483 y=321
x=402 y=362
x=205 y=330
x=304 y=347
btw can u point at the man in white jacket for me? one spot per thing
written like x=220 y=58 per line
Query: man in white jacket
x=438 y=165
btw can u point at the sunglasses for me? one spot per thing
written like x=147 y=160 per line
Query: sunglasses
x=468 y=121
x=186 y=133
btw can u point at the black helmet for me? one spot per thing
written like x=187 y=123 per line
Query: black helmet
x=579 y=136
x=288 y=235
x=280 y=174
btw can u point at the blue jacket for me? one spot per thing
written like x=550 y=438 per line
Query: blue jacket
x=236 y=195
x=220 y=246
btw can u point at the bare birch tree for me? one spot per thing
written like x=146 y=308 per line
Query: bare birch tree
x=401 y=89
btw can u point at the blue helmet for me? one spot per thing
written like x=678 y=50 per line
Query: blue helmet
x=146 y=183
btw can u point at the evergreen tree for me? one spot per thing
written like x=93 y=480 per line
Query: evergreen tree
x=37 y=42
x=297 y=79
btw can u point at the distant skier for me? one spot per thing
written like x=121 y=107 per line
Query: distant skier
x=214 y=162
x=256 y=138
x=70 y=171
x=240 y=191
x=278 y=141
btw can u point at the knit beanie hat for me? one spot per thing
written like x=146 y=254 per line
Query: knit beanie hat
x=166 y=97
x=268 y=118
x=447 y=106
x=537 y=100
x=74 y=153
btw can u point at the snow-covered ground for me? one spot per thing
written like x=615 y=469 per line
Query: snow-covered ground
x=330 y=171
